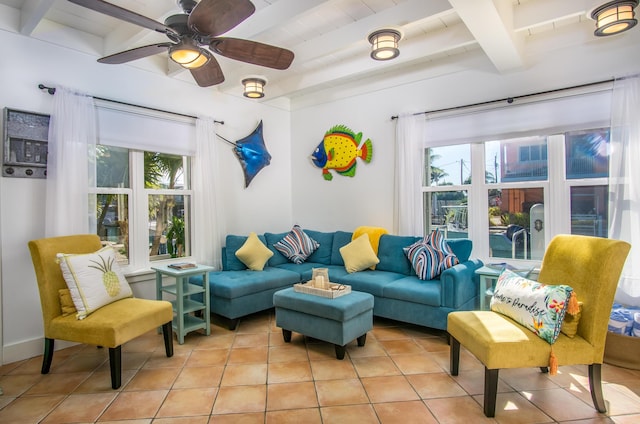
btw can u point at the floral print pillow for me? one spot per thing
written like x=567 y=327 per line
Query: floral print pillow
x=536 y=306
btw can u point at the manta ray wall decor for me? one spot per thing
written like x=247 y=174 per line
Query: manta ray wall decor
x=252 y=153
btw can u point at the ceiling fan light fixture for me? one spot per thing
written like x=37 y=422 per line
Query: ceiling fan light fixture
x=614 y=17
x=253 y=87
x=384 y=44
x=188 y=55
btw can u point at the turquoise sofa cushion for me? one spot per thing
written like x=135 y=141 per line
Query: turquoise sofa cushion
x=369 y=281
x=461 y=248
x=322 y=254
x=412 y=289
x=392 y=256
x=234 y=284
x=340 y=238
x=277 y=258
x=232 y=243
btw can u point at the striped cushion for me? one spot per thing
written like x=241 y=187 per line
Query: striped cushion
x=448 y=258
x=424 y=259
x=296 y=246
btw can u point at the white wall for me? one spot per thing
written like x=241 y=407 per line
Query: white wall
x=266 y=204
x=367 y=198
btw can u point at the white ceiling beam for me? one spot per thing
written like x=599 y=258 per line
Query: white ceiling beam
x=273 y=16
x=542 y=12
x=418 y=49
x=491 y=23
x=350 y=37
x=357 y=32
x=32 y=13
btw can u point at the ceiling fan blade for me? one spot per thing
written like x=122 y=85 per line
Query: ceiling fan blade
x=137 y=53
x=215 y=17
x=124 y=15
x=253 y=52
x=209 y=74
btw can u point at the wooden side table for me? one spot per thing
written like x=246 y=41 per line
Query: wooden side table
x=183 y=305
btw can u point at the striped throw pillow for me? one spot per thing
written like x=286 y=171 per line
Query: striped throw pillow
x=424 y=259
x=296 y=246
x=448 y=258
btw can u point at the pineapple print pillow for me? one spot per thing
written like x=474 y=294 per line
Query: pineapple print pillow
x=94 y=279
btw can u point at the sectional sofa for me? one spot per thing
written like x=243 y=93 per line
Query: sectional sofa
x=399 y=294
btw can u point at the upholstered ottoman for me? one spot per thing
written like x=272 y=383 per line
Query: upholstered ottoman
x=337 y=321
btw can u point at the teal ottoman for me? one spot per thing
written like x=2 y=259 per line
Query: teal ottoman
x=337 y=321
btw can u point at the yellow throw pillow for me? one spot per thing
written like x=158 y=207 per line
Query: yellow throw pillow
x=358 y=255
x=66 y=302
x=570 y=323
x=253 y=253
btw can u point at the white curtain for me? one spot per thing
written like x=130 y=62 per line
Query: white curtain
x=72 y=139
x=624 y=182
x=206 y=181
x=410 y=136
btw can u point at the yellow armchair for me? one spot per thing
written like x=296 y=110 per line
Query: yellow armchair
x=592 y=267
x=110 y=326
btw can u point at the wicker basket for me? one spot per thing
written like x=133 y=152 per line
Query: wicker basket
x=336 y=290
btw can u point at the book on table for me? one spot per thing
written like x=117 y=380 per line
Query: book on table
x=183 y=265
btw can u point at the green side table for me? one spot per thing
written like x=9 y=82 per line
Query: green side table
x=183 y=306
x=488 y=277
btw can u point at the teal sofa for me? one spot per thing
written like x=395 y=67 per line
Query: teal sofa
x=398 y=293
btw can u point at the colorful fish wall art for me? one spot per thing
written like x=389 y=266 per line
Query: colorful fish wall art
x=252 y=153
x=339 y=150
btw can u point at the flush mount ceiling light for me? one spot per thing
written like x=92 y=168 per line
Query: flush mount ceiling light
x=384 y=44
x=614 y=17
x=188 y=55
x=254 y=87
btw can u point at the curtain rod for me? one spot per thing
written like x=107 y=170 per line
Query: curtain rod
x=509 y=100
x=52 y=91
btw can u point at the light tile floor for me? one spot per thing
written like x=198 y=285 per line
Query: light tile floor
x=251 y=376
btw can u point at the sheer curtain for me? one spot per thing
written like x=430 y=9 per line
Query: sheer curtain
x=410 y=136
x=624 y=182
x=72 y=140
x=206 y=187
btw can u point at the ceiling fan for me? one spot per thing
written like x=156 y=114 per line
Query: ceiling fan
x=200 y=25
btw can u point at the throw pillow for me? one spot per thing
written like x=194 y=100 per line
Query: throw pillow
x=424 y=259
x=570 y=322
x=358 y=255
x=94 y=279
x=448 y=258
x=253 y=253
x=66 y=303
x=296 y=245
x=538 y=307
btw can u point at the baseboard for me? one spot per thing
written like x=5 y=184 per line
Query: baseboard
x=29 y=349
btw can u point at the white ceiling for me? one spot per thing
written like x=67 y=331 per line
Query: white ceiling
x=329 y=38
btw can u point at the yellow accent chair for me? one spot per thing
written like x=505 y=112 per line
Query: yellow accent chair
x=592 y=267
x=110 y=326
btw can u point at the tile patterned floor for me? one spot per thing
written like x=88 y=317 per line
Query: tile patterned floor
x=251 y=376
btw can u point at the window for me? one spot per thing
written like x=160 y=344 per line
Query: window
x=587 y=172
x=150 y=190
x=446 y=198
x=534 y=187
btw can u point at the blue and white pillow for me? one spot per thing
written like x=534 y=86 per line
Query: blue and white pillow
x=296 y=246
x=447 y=257
x=424 y=259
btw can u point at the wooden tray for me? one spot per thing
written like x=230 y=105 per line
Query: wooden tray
x=336 y=290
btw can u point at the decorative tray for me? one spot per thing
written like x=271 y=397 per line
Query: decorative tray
x=336 y=290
